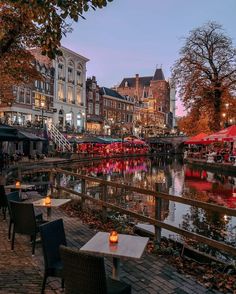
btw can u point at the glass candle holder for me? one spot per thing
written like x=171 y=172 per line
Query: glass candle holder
x=48 y=200
x=18 y=184
x=113 y=238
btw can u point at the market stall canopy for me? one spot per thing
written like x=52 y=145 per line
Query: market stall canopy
x=26 y=136
x=225 y=135
x=8 y=133
x=90 y=140
x=196 y=139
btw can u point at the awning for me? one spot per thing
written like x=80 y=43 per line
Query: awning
x=30 y=136
x=225 y=135
x=196 y=139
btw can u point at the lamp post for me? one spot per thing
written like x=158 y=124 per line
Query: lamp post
x=42 y=108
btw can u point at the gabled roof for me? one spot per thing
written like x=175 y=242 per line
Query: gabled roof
x=112 y=93
x=143 y=81
x=159 y=76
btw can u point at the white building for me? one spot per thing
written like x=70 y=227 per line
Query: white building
x=70 y=90
x=59 y=99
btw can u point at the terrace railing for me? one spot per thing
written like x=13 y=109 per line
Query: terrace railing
x=158 y=197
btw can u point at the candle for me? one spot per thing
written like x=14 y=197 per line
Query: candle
x=48 y=200
x=113 y=238
x=18 y=184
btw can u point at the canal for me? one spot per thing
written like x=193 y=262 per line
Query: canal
x=175 y=178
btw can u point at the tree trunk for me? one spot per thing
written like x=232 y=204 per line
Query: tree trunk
x=216 y=120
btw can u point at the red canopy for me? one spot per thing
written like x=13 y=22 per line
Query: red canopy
x=196 y=139
x=228 y=135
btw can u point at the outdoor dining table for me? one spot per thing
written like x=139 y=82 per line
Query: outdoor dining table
x=20 y=188
x=54 y=203
x=128 y=247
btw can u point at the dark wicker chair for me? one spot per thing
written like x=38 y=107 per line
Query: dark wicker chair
x=24 y=221
x=15 y=196
x=3 y=201
x=85 y=274
x=52 y=236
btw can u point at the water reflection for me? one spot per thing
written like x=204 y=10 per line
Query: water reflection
x=174 y=178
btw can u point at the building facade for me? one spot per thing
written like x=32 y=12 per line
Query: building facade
x=60 y=98
x=70 y=91
x=154 y=92
x=94 y=109
x=118 y=112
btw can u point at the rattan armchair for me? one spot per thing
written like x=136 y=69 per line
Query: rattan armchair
x=52 y=236
x=3 y=201
x=24 y=221
x=85 y=274
x=15 y=196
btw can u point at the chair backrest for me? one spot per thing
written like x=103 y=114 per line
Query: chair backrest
x=13 y=196
x=23 y=217
x=3 y=198
x=52 y=236
x=83 y=273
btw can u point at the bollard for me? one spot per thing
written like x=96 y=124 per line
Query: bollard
x=158 y=204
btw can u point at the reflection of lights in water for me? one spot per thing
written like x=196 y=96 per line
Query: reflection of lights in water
x=225 y=218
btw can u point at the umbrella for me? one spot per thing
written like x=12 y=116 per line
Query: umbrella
x=225 y=135
x=196 y=139
x=91 y=140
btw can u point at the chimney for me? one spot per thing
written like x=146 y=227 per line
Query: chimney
x=137 y=86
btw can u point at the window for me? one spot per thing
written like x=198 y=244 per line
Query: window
x=90 y=108
x=97 y=109
x=70 y=74
x=69 y=118
x=90 y=95
x=61 y=74
x=70 y=94
x=60 y=92
x=78 y=95
x=15 y=91
x=28 y=96
x=22 y=95
x=94 y=86
x=97 y=96
x=119 y=105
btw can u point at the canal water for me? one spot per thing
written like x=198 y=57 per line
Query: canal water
x=174 y=178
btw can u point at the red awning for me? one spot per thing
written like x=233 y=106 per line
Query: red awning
x=225 y=135
x=196 y=139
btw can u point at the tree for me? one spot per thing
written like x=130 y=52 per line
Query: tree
x=205 y=73
x=25 y=24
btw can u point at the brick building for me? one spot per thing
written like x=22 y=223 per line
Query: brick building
x=153 y=91
x=94 y=110
x=118 y=112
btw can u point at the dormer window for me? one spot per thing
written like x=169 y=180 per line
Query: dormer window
x=126 y=84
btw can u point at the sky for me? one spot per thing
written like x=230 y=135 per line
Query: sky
x=136 y=36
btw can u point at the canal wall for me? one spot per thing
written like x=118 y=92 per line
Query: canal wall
x=214 y=167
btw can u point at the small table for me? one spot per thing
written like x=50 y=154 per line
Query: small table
x=128 y=246
x=54 y=203
x=22 y=187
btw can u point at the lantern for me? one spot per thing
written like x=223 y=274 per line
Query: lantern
x=18 y=184
x=113 y=238
x=47 y=200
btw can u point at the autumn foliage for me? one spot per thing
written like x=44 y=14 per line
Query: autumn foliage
x=205 y=73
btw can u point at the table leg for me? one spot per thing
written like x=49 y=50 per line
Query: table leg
x=49 y=212
x=116 y=269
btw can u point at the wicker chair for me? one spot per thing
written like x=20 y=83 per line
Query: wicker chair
x=24 y=221
x=15 y=196
x=52 y=236
x=85 y=274
x=3 y=201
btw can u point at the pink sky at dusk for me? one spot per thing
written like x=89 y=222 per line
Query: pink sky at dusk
x=133 y=36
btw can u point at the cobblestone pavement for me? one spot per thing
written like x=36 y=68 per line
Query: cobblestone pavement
x=20 y=272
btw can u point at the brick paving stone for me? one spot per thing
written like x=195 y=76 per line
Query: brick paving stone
x=22 y=273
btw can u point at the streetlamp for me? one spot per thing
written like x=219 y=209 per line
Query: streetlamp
x=42 y=108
